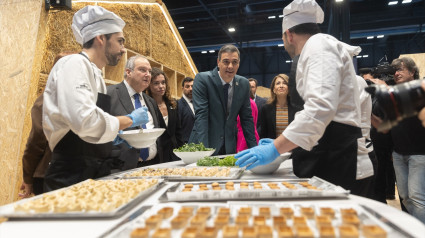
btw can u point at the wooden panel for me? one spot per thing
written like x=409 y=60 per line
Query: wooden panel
x=171 y=75
x=179 y=80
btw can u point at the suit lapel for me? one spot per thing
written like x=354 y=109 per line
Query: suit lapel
x=219 y=86
x=124 y=97
x=235 y=87
x=187 y=107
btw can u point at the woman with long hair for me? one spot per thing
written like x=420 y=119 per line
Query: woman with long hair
x=159 y=90
x=273 y=116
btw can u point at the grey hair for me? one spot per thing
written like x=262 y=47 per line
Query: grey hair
x=409 y=63
x=228 y=49
x=130 y=63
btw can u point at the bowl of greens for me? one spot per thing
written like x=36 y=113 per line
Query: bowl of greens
x=191 y=153
x=228 y=161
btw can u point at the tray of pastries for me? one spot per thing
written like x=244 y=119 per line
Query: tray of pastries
x=88 y=199
x=251 y=189
x=233 y=220
x=186 y=173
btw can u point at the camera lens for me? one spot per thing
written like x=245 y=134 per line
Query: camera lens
x=398 y=102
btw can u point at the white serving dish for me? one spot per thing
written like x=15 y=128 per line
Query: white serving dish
x=273 y=166
x=193 y=157
x=141 y=138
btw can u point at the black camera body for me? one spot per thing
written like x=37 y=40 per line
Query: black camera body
x=398 y=102
x=385 y=72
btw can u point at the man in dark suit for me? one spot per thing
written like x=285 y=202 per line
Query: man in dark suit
x=219 y=96
x=137 y=77
x=259 y=101
x=186 y=111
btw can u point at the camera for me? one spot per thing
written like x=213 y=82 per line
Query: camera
x=383 y=71
x=398 y=102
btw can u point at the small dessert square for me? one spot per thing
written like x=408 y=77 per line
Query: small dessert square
x=245 y=211
x=179 y=222
x=264 y=231
x=327 y=232
x=166 y=212
x=279 y=221
x=287 y=212
x=153 y=221
x=230 y=231
x=190 y=232
x=249 y=232
x=304 y=232
x=141 y=232
x=348 y=231
x=221 y=220
x=285 y=232
x=327 y=211
x=259 y=220
x=299 y=221
x=208 y=232
x=351 y=219
x=162 y=233
x=323 y=220
x=308 y=212
x=264 y=211
x=374 y=231
x=242 y=220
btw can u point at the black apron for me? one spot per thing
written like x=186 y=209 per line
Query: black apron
x=334 y=159
x=74 y=160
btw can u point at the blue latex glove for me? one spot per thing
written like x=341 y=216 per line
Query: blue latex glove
x=265 y=153
x=118 y=140
x=139 y=116
x=265 y=141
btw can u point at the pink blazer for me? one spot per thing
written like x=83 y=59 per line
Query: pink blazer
x=241 y=143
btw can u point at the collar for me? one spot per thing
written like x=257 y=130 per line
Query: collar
x=224 y=82
x=186 y=98
x=131 y=91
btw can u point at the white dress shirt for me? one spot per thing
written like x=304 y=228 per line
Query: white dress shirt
x=326 y=81
x=70 y=103
x=189 y=101
x=152 y=148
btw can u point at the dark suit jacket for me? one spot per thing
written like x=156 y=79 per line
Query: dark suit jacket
x=259 y=101
x=212 y=124
x=37 y=154
x=121 y=105
x=268 y=121
x=187 y=118
x=174 y=137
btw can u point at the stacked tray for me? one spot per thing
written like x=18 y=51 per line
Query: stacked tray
x=185 y=173
x=88 y=199
x=330 y=219
x=250 y=189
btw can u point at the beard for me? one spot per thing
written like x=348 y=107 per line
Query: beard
x=113 y=59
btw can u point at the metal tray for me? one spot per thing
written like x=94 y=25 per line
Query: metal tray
x=235 y=173
x=325 y=190
x=9 y=210
x=364 y=216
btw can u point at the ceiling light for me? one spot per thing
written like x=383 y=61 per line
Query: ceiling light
x=280 y=45
x=370 y=37
x=203 y=52
x=232 y=29
x=365 y=56
x=392 y=3
x=288 y=61
x=211 y=51
x=181 y=27
x=339 y=0
x=280 y=16
x=272 y=17
x=380 y=36
x=406 y=1
x=358 y=56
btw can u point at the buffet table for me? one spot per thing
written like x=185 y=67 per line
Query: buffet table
x=109 y=227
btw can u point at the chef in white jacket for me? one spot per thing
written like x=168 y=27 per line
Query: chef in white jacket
x=75 y=111
x=323 y=136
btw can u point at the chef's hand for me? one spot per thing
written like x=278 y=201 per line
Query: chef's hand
x=118 y=140
x=139 y=116
x=265 y=153
x=26 y=190
x=265 y=141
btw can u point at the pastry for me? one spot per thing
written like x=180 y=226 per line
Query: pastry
x=162 y=233
x=286 y=212
x=206 y=211
x=299 y=221
x=327 y=231
x=179 y=222
x=186 y=211
x=304 y=232
x=348 y=231
x=153 y=222
x=323 y=220
x=230 y=183
x=244 y=184
x=166 y=212
x=245 y=211
x=208 y=232
x=345 y=211
x=215 y=184
x=351 y=219
x=188 y=185
x=264 y=232
x=259 y=220
x=284 y=232
x=140 y=233
x=327 y=211
x=279 y=221
x=198 y=220
x=264 y=211
x=308 y=212
x=224 y=211
x=374 y=231
x=242 y=220
x=221 y=220
x=249 y=232
x=190 y=232
x=230 y=232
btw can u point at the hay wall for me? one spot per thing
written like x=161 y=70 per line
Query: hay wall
x=19 y=24
x=32 y=37
x=263 y=92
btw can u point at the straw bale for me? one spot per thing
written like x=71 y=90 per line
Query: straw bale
x=263 y=91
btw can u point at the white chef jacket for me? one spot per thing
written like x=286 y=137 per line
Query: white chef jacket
x=70 y=103
x=364 y=164
x=326 y=81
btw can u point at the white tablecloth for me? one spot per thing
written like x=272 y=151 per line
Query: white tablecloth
x=95 y=228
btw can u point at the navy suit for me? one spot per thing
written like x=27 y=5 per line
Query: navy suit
x=260 y=102
x=187 y=119
x=121 y=104
x=213 y=126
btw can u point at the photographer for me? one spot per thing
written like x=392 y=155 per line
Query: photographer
x=408 y=139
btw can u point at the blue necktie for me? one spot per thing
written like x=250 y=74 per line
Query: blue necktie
x=226 y=94
x=144 y=152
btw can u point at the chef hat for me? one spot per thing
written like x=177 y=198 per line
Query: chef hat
x=92 y=21
x=301 y=11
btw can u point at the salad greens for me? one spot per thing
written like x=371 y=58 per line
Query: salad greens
x=215 y=161
x=192 y=147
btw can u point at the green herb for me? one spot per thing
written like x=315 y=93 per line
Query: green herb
x=192 y=147
x=227 y=161
x=208 y=161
